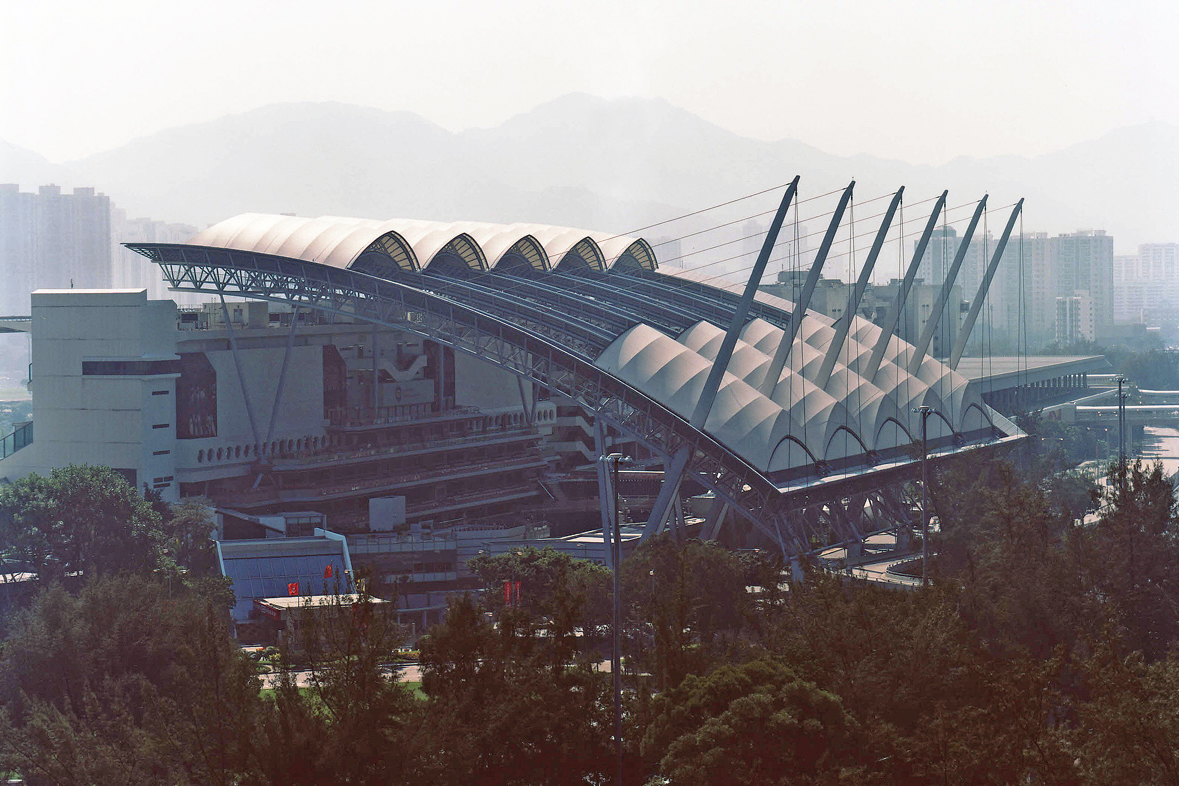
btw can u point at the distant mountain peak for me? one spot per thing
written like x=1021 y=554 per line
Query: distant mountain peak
x=621 y=161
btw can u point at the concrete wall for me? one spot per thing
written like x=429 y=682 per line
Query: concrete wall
x=122 y=421
x=480 y=384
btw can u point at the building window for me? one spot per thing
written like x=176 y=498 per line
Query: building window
x=129 y=368
x=160 y=452
x=161 y=425
x=159 y=392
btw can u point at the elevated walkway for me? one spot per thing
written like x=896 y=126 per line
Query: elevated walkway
x=16 y=324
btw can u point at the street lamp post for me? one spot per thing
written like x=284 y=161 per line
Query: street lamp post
x=1121 y=422
x=612 y=461
x=925 y=411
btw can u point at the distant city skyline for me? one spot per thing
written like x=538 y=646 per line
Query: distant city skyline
x=917 y=82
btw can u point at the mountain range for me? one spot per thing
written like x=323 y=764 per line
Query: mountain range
x=607 y=164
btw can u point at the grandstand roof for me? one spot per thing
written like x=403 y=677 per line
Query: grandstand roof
x=593 y=317
x=415 y=245
x=658 y=331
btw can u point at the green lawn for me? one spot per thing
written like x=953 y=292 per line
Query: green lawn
x=415 y=687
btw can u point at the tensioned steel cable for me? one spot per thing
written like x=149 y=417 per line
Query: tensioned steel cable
x=561 y=254
x=836 y=243
x=631 y=286
x=714 y=207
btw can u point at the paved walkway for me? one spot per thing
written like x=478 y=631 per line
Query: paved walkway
x=410 y=672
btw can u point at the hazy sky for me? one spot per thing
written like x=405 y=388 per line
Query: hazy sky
x=919 y=81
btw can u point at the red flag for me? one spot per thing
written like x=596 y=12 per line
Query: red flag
x=327 y=572
x=516 y=592
x=507 y=593
x=293 y=588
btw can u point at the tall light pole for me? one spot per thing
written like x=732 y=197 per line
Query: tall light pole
x=612 y=461
x=925 y=411
x=1121 y=422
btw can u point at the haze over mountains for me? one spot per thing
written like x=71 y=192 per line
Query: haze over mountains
x=612 y=165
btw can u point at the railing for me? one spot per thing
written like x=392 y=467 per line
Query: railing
x=378 y=543
x=21 y=436
x=366 y=416
x=503 y=464
x=336 y=454
x=202 y=318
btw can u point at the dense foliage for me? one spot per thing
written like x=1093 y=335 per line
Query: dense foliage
x=1042 y=653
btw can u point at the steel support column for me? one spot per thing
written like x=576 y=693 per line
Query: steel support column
x=943 y=297
x=719 y=366
x=673 y=472
x=774 y=371
x=888 y=329
x=843 y=327
x=237 y=363
x=983 y=288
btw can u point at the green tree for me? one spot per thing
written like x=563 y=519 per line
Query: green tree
x=187 y=529
x=79 y=518
x=499 y=713
x=1126 y=730
x=1129 y=562
x=1005 y=543
x=127 y=682
x=352 y=723
x=687 y=600
x=756 y=723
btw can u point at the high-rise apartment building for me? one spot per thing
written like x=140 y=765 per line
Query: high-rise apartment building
x=1035 y=270
x=131 y=270
x=52 y=240
x=1074 y=319
x=1146 y=285
x=1082 y=263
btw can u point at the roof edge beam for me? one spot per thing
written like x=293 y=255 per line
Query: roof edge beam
x=808 y=290
x=983 y=288
x=888 y=329
x=717 y=372
x=857 y=293
x=935 y=316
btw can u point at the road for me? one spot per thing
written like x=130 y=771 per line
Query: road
x=410 y=672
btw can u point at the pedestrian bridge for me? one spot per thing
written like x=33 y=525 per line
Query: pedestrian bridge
x=1157 y=408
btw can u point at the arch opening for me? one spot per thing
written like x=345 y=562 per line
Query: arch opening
x=466 y=249
x=585 y=252
x=530 y=250
x=796 y=441
x=834 y=434
x=392 y=247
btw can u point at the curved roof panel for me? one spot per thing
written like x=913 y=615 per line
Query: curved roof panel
x=411 y=244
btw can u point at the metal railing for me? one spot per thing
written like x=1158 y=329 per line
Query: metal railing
x=20 y=437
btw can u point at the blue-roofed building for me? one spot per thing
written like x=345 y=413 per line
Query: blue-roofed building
x=276 y=567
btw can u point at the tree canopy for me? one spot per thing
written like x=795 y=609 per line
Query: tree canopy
x=1043 y=652
x=84 y=519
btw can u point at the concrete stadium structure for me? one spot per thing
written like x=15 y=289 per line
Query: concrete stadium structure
x=801 y=425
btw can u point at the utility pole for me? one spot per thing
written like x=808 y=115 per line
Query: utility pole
x=925 y=411
x=612 y=461
x=1121 y=423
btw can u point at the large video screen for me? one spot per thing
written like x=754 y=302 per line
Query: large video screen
x=196 y=397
